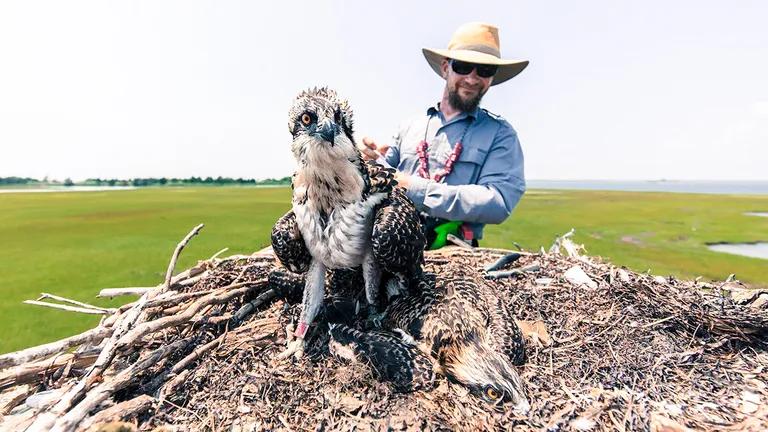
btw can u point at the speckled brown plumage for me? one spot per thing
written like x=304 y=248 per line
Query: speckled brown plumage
x=392 y=358
x=288 y=244
x=398 y=240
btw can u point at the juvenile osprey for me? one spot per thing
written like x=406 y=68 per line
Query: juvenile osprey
x=346 y=212
x=462 y=325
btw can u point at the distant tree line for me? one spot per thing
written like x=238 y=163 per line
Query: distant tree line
x=17 y=180
x=151 y=181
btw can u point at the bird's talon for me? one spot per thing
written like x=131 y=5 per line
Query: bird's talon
x=295 y=348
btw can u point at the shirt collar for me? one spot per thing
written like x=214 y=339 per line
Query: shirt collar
x=435 y=110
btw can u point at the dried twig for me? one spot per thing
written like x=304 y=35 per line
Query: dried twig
x=116 y=292
x=44 y=296
x=67 y=308
x=175 y=256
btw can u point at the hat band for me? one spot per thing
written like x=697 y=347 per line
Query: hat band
x=485 y=49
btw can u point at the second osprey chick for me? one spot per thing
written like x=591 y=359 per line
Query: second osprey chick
x=346 y=212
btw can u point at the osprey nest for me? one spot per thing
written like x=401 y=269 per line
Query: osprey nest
x=607 y=349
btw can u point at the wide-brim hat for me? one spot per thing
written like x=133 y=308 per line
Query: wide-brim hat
x=476 y=43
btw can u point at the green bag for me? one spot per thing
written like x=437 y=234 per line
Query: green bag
x=442 y=231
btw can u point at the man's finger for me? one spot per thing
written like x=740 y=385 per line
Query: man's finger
x=382 y=149
x=368 y=154
x=369 y=142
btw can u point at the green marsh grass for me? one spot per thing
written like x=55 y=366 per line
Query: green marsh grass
x=75 y=243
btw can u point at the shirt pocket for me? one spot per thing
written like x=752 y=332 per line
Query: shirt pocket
x=466 y=170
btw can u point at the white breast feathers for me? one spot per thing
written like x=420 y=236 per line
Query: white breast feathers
x=342 y=240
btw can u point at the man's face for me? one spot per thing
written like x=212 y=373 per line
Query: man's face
x=464 y=91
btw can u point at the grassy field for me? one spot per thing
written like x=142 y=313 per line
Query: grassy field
x=74 y=244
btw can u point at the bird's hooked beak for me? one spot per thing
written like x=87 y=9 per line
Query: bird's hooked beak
x=327 y=130
x=523 y=407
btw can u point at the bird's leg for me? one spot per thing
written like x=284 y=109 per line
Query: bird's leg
x=310 y=305
x=372 y=277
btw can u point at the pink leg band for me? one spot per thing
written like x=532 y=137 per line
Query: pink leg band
x=301 y=330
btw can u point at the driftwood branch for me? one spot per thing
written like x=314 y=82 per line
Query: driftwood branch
x=33 y=372
x=221 y=296
x=103 y=391
x=122 y=325
x=180 y=278
x=121 y=411
x=92 y=336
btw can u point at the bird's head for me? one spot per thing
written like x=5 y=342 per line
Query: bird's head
x=488 y=374
x=321 y=124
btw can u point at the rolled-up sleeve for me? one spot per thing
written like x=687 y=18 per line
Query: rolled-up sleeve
x=499 y=186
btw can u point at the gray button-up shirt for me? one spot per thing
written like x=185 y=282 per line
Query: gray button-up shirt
x=487 y=180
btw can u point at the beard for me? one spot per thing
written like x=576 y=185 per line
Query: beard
x=464 y=105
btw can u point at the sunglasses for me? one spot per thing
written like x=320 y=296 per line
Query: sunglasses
x=464 y=68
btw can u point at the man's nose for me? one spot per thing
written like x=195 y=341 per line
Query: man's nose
x=472 y=76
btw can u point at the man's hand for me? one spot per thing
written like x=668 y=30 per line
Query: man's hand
x=371 y=150
x=403 y=179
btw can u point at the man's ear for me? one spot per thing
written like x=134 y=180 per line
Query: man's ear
x=444 y=68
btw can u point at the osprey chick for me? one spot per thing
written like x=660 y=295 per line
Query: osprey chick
x=346 y=212
x=463 y=326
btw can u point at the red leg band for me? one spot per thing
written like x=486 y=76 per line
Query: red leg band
x=301 y=330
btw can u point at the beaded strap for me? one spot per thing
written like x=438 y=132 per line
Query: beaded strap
x=422 y=150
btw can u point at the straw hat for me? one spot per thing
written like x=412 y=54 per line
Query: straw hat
x=476 y=43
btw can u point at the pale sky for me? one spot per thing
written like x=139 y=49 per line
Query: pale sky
x=615 y=90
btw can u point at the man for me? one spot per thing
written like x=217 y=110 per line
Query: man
x=460 y=164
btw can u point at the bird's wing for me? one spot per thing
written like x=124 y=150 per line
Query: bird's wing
x=379 y=178
x=462 y=311
x=442 y=311
x=288 y=244
x=503 y=332
x=409 y=312
x=397 y=238
x=286 y=284
x=391 y=357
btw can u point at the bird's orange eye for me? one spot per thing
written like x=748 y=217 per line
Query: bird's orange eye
x=493 y=393
x=306 y=119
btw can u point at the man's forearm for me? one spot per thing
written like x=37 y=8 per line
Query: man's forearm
x=471 y=203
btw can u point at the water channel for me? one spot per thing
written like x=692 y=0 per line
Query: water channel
x=754 y=250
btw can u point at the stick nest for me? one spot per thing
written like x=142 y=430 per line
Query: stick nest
x=616 y=351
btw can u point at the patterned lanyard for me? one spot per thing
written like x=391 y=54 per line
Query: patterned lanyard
x=423 y=148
